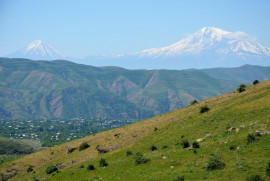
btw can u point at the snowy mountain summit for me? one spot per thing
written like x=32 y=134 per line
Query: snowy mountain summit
x=212 y=42
x=38 y=50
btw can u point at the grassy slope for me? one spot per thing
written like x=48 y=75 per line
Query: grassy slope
x=250 y=108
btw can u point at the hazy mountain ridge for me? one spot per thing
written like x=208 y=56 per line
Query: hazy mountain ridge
x=34 y=89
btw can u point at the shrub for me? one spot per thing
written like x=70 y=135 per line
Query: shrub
x=179 y=178
x=232 y=147
x=129 y=153
x=195 y=144
x=82 y=166
x=251 y=138
x=30 y=168
x=254 y=178
x=204 y=109
x=255 y=82
x=51 y=168
x=164 y=146
x=241 y=88
x=83 y=146
x=91 y=167
x=103 y=163
x=185 y=144
x=155 y=129
x=193 y=102
x=267 y=170
x=140 y=159
x=214 y=164
x=153 y=148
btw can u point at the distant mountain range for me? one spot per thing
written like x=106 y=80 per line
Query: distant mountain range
x=62 y=89
x=209 y=47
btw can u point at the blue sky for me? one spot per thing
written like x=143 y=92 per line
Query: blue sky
x=104 y=27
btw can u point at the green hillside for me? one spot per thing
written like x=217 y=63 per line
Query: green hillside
x=233 y=139
x=61 y=89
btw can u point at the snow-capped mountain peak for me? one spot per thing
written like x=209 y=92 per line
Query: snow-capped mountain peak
x=38 y=50
x=211 y=41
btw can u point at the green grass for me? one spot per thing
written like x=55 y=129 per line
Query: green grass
x=247 y=112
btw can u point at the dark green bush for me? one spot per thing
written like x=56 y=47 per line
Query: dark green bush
x=103 y=163
x=241 y=88
x=51 y=168
x=155 y=129
x=164 y=146
x=255 y=82
x=215 y=164
x=129 y=153
x=82 y=166
x=267 y=170
x=91 y=167
x=193 y=102
x=251 y=138
x=153 y=148
x=30 y=168
x=254 y=178
x=179 y=178
x=204 y=109
x=185 y=144
x=232 y=147
x=195 y=144
x=140 y=159
x=83 y=146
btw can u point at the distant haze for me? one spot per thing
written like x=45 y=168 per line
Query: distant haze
x=207 y=48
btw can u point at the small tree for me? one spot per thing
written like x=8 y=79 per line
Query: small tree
x=83 y=146
x=164 y=146
x=185 y=144
x=51 y=168
x=251 y=138
x=91 y=167
x=129 y=153
x=103 y=163
x=232 y=147
x=204 y=109
x=195 y=144
x=193 y=102
x=153 y=148
x=242 y=88
x=214 y=164
x=255 y=82
x=30 y=168
x=140 y=159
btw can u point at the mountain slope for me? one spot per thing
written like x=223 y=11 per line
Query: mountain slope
x=61 y=89
x=222 y=134
x=37 y=50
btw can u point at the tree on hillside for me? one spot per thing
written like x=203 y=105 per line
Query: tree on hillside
x=255 y=82
x=241 y=88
